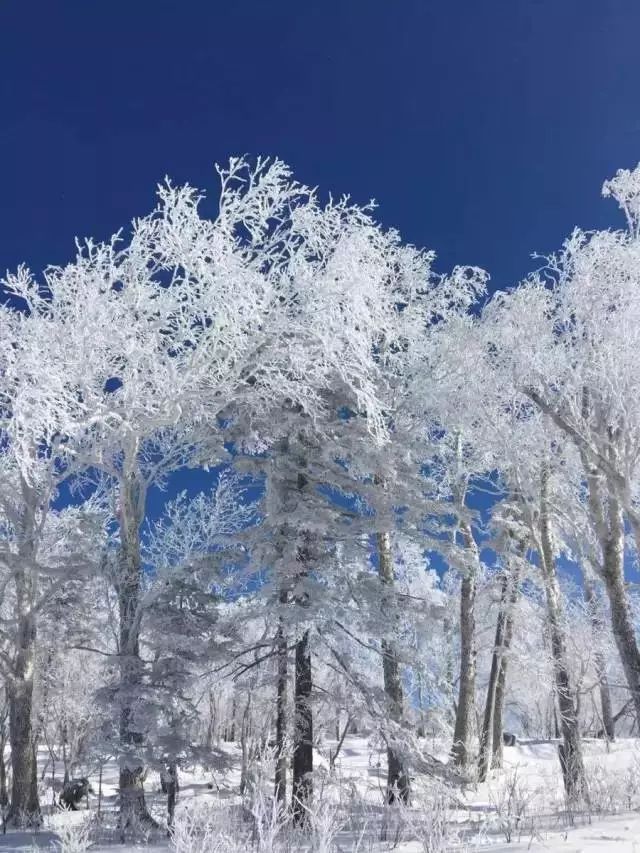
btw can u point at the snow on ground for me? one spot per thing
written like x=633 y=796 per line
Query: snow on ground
x=519 y=808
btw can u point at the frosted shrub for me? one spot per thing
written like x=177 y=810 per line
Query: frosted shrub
x=631 y=781
x=74 y=837
x=606 y=789
x=269 y=821
x=431 y=826
x=512 y=801
x=200 y=828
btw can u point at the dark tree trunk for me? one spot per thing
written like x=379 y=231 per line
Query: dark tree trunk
x=133 y=808
x=491 y=736
x=4 y=794
x=487 y=735
x=398 y=785
x=302 y=789
x=172 y=791
x=25 y=807
x=281 y=713
x=465 y=710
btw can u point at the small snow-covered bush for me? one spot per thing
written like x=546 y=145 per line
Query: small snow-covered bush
x=199 y=827
x=606 y=789
x=74 y=837
x=512 y=800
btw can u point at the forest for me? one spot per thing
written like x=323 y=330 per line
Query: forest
x=301 y=539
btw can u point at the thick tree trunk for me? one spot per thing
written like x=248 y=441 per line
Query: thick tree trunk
x=25 y=807
x=571 y=749
x=398 y=785
x=4 y=793
x=461 y=750
x=621 y=618
x=608 y=521
x=591 y=598
x=302 y=785
x=281 y=714
x=131 y=779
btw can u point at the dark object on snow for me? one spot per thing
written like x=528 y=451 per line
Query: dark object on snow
x=169 y=777
x=73 y=791
x=508 y=739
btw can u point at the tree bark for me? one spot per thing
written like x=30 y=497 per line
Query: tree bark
x=501 y=687
x=172 y=792
x=488 y=725
x=463 y=729
x=398 y=785
x=131 y=779
x=302 y=786
x=607 y=517
x=281 y=711
x=4 y=793
x=571 y=749
x=25 y=807
x=591 y=599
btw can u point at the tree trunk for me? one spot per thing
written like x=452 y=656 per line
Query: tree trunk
x=4 y=794
x=571 y=749
x=245 y=747
x=491 y=751
x=302 y=788
x=131 y=780
x=465 y=710
x=487 y=735
x=591 y=599
x=281 y=713
x=608 y=521
x=172 y=791
x=621 y=618
x=25 y=807
x=398 y=785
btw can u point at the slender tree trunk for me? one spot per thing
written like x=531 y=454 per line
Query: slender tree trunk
x=245 y=732
x=25 y=807
x=172 y=792
x=501 y=687
x=465 y=710
x=591 y=599
x=333 y=756
x=497 y=745
x=486 y=737
x=491 y=746
x=398 y=785
x=281 y=712
x=131 y=779
x=4 y=793
x=571 y=748
x=302 y=788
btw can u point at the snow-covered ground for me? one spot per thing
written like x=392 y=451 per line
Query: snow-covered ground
x=519 y=808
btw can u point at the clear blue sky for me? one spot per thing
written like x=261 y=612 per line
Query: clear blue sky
x=484 y=128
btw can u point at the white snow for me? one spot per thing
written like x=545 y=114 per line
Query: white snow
x=534 y=816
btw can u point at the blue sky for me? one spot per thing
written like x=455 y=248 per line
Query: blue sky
x=484 y=129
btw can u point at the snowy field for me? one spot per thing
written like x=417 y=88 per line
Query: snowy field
x=519 y=808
